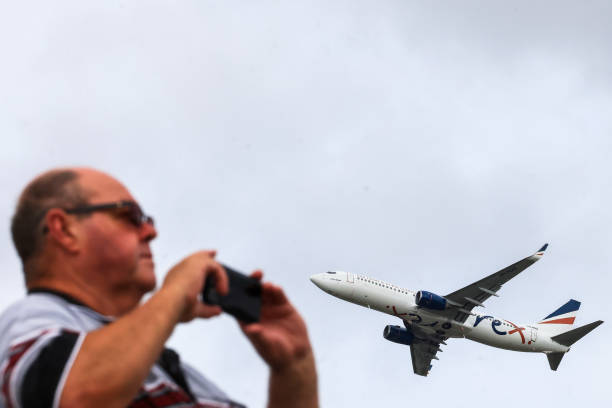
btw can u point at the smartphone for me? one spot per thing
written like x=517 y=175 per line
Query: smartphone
x=243 y=300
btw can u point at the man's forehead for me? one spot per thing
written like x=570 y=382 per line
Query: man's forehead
x=102 y=187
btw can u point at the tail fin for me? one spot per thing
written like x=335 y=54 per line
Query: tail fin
x=561 y=319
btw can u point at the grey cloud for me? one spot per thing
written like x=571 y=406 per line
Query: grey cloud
x=427 y=144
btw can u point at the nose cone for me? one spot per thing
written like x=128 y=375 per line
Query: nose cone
x=317 y=279
x=334 y=283
x=327 y=282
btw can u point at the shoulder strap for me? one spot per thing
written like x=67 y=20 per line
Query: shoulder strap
x=170 y=361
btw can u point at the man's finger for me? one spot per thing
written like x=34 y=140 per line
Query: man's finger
x=203 y=310
x=273 y=294
x=257 y=274
x=253 y=330
x=210 y=253
x=221 y=281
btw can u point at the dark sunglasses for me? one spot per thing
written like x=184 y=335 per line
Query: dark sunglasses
x=133 y=211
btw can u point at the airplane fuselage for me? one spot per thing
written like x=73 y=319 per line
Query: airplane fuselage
x=399 y=302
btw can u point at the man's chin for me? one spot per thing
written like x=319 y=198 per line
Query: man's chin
x=147 y=280
x=148 y=286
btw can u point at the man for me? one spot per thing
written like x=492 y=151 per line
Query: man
x=81 y=338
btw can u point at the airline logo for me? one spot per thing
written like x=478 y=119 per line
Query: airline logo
x=495 y=323
x=518 y=330
x=563 y=315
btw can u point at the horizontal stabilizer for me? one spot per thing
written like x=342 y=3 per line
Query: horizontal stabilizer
x=554 y=359
x=572 y=336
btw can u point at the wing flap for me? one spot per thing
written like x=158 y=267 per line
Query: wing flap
x=422 y=353
x=423 y=349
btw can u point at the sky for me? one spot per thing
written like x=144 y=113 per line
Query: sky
x=427 y=144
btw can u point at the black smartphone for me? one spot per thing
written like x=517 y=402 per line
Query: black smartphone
x=243 y=300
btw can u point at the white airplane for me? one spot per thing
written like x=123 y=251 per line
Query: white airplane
x=430 y=319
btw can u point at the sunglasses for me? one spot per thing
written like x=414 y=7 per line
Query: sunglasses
x=132 y=212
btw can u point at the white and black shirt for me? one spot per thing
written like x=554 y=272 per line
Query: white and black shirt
x=40 y=337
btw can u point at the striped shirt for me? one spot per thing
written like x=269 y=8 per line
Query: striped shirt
x=40 y=337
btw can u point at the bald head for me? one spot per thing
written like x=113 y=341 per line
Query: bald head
x=57 y=188
x=100 y=185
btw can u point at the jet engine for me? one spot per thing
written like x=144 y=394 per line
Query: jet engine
x=398 y=334
x=430 y=300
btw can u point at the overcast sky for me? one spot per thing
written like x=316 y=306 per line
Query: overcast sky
x=427 y=144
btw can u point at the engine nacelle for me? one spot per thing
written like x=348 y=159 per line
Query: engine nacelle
x=430 y=300
x=398 y=334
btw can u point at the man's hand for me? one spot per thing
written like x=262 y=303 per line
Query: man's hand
x=281 y=339
x=111 y=364
x=187 y=278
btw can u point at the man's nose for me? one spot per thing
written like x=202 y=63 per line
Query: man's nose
x=147 y=231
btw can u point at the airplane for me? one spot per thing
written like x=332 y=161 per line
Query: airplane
x=430 y=319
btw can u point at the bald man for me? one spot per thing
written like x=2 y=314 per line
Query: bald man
x=82 y=337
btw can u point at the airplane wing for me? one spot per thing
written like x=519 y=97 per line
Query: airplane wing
x=464 y=300
x=423 y=349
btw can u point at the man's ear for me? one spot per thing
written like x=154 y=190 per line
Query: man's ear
x=63 y=229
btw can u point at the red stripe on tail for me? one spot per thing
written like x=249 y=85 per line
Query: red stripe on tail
x=566 y=320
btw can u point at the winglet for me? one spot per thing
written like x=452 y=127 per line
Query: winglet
x=540 y=252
